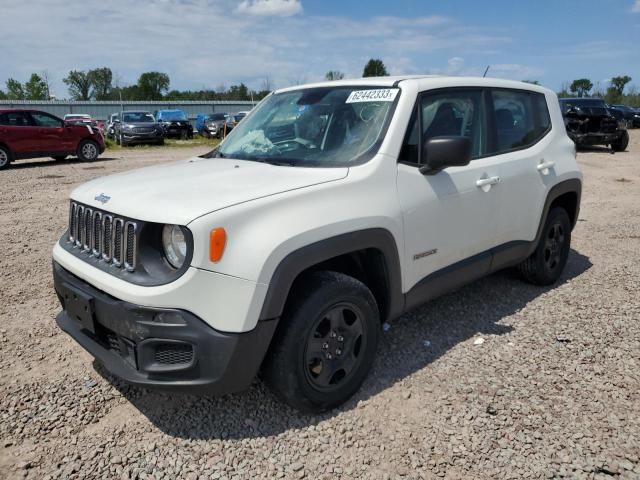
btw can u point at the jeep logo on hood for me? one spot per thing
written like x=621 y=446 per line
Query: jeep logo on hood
x=102 y=198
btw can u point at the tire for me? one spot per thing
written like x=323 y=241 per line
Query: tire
x=161 y=142
x=5 y=157
x=88 y=151
x=621 y=144
x=331 y=322
x=546 y=263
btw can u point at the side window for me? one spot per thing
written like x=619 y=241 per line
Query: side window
x=455 y=113
x=15 y=119
x=446 y=113
x=521 y=118
x=44 y=120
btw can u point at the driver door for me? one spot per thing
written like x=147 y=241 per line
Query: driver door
x=449 y=216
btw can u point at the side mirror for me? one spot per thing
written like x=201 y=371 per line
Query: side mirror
x=442 y=152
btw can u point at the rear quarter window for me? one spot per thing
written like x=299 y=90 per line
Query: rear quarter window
x=521 y=119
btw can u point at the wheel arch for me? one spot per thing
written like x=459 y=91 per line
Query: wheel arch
x=370 y=255
x=566 y=194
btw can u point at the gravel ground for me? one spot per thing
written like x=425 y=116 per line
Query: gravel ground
x=498 y=380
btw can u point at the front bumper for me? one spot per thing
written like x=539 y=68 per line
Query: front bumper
x=132 y=137
x=180 y=352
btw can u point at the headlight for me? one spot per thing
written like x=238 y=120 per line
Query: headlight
x=174 y=244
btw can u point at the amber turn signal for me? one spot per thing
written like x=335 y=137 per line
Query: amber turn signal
x=217 y=241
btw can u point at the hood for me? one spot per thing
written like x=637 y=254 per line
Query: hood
x=183 y=191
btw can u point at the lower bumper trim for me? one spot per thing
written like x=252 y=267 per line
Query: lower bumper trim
x=133 y=344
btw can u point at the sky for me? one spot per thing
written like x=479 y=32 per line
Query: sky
x=276 y=43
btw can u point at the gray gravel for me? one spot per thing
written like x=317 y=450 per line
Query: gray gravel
x=499 y=380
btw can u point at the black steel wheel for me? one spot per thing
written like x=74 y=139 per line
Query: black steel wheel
x=546 y=263
x=325 y=343
x=335 y=347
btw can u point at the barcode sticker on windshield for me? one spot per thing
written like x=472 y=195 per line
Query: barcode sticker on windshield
x=380 y=95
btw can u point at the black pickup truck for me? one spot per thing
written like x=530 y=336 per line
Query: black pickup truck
x=589 y=122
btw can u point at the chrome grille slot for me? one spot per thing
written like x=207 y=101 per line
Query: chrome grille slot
x=88 y=230
x=72 y=222
x=79 y=225
x=107 y=226
x=108 y=238
x=118 y=230
x=130 y=246
x=97 y=233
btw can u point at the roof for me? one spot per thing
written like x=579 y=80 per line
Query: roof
x=423 y=81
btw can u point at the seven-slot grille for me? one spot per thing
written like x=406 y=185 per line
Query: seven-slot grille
x=107 y=237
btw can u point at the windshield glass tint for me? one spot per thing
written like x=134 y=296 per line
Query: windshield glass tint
x=137 y=117
x=177 y=115
x=330 y=126
x=219 y=116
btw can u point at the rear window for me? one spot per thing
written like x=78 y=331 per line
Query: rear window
x=15 y=119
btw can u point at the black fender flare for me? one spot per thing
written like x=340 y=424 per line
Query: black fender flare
x=572 y=185
x=300 y=260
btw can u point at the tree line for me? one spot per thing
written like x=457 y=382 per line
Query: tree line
x=99 y=84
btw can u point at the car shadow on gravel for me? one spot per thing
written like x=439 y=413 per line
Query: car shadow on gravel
x=20 y=164
x=410 y=343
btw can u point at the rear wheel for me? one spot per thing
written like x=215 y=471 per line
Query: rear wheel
x=5 y=157
x=621 y=144
x=546 y=263
x=88 y=150
x=326 y=343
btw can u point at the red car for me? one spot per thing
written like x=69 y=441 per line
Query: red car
x=31 y=133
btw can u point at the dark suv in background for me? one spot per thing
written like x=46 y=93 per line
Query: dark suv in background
x=174 y=123
x=136 y=127
x=590 y=122
x=32 y=134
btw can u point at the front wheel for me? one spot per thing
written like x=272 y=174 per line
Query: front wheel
x=88 y=150
x=326 y=342
x=621 y=144
x=546 y=263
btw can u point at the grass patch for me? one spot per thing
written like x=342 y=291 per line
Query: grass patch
x=196 y=141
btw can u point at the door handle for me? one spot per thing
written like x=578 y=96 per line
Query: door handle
x=486 y=183
x=543 y=167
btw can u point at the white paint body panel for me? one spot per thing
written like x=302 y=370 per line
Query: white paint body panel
x=270 y=211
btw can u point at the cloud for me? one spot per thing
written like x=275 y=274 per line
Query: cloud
x=205 y=43
x=270 y=8
x=636 y=7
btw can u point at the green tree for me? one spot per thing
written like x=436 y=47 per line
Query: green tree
x=3 y=96
x=334 y=75
x=15 y=90
x=79 y=84
x=101 y=83
x=36 y=88
x=152 y=85
x=238 y=92
x=375 y=68
x=581 y=87
x=618 y=83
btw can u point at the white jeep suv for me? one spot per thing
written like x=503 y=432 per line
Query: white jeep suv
x=331 y=208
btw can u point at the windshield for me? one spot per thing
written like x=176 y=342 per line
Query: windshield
x=217 y=116
x=137 y=117
x=328 y=126
x=173 y=115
